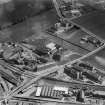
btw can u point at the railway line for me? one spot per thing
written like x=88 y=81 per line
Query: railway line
x=19 y=81
x=37 y=99
x=35 y=77
x=57 y=67
x=69 y=42
x=47 y=72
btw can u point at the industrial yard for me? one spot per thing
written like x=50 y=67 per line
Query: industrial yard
x=52 y=52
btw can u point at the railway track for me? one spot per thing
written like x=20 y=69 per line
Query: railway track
x=68 y=42
x=87 y=55
x=74 y=84
x=45 y=73
x=39 y=99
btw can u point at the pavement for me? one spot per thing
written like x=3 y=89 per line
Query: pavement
x=35 y=27
x=74 y=36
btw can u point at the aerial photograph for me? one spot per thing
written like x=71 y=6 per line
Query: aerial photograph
x=52 y=52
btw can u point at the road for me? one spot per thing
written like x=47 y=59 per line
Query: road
x=47 y=72
x=97 y=60
x=22 y=31
x=74 y=38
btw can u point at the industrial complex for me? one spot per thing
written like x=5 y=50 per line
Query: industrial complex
x=52 y=52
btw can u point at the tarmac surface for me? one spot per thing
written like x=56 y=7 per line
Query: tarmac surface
x=97 y=60
x=35 y=27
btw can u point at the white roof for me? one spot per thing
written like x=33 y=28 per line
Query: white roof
x=51 y=46
x=75 y=11
x=38 y=92
x=100 y=92
x=61 y=88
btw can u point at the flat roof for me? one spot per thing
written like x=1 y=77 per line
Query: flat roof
x=97 y=60
x=70 y=84
x=92 y=23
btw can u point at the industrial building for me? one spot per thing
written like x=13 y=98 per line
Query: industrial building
x=52 y=52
